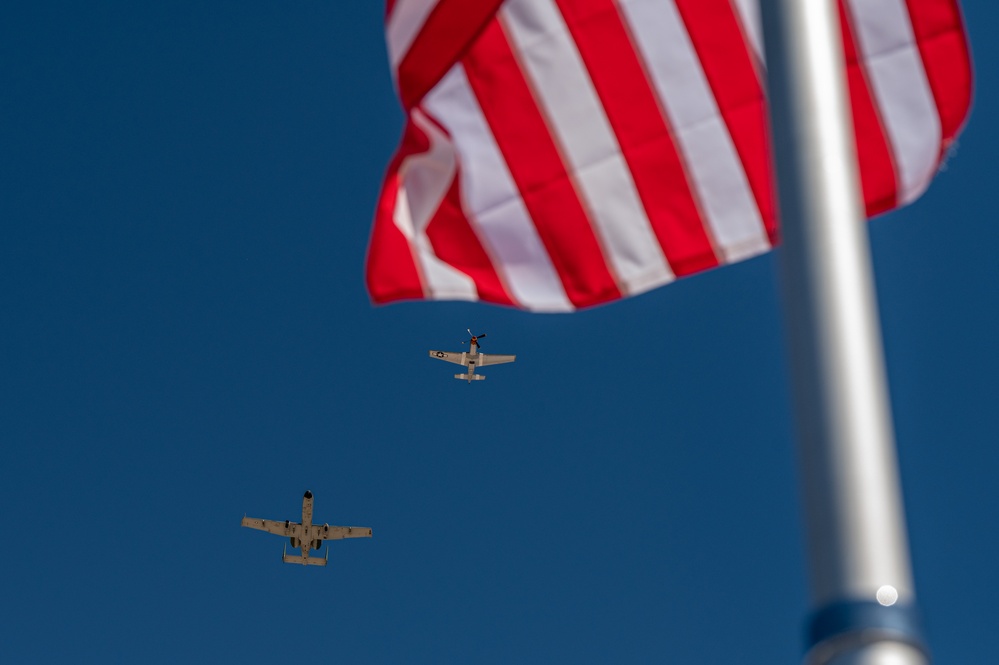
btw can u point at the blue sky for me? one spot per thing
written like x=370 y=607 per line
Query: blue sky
x=186 y=199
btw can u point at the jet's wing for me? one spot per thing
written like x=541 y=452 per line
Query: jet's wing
x=327 y=532
x=270 y=526
x=451 y=357
x=494 y=359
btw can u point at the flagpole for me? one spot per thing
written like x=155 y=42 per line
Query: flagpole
x=864 y=604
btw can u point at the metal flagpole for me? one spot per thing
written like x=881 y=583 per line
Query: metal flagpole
x=861 y=581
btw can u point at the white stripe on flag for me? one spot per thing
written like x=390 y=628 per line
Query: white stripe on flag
x=714 y=166
x=566 y=96
x=405 y=22
x=748 y=12
x=895 y=69
x=494 y=206
x=424 y=181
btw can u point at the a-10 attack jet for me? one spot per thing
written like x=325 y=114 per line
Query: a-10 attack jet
x=472 y=358
x=307 y=535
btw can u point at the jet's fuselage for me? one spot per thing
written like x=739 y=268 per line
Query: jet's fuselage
x=306 y=523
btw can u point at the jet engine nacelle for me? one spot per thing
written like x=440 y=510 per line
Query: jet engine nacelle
x=295 y=542
x=317 y=544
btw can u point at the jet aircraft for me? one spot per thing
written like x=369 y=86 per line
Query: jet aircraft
x=472 y=358
x=307 y=535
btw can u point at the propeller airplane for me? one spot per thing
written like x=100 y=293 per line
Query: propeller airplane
x=472 y=358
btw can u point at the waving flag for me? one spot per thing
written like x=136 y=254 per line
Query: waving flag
x=560 y=154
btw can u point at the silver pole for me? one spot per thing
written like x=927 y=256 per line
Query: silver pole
x=861 y=581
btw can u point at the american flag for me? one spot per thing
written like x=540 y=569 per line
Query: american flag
x=560 y=154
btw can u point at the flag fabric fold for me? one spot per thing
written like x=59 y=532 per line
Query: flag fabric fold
x=560 y=154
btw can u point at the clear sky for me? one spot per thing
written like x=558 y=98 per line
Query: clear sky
x=186 y=192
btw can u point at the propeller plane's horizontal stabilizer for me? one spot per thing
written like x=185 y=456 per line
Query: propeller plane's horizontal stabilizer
x=470 y=377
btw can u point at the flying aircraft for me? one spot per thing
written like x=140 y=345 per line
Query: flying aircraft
x=472 y=358
x=307 y=535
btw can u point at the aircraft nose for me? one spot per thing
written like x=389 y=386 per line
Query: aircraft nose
x=308 y=494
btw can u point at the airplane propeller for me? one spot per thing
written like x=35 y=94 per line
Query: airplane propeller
x=475 y=338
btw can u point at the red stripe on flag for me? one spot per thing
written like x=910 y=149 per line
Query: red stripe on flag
x=943 y=46
x=728 y=66
x=456 y=244
x=639 y=124
x=391 y=272
x=874 y=156
x=450 y=29
x=391 y=269
x=537 y=169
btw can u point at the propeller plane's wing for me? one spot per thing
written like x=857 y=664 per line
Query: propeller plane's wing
x=450 y=357
x=494 y=359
